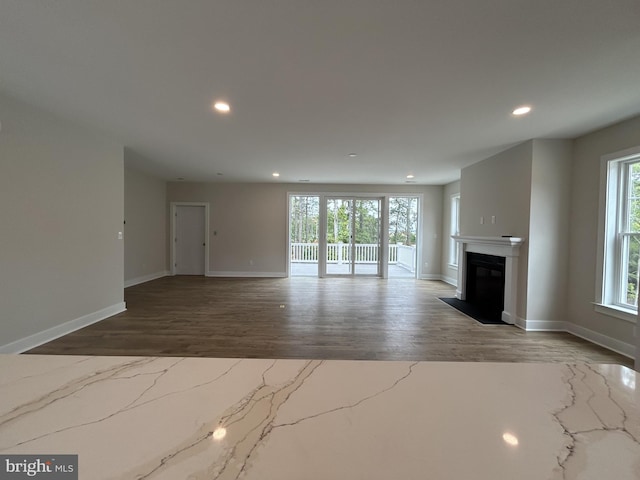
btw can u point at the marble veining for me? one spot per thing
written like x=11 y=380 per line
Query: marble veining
x=592 y=411
x=190 y=418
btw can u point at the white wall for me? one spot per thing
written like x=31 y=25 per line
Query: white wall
x=145 y=230
x=61 y=190
x=500 y=186
x=548 y=240
x=585 y=185
x=250 y=222
x=449 y=274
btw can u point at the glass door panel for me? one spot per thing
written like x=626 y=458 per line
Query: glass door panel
x=403 y=237
x=366 y=246
x=339 y=236
x=353 y=236
x=304 y=248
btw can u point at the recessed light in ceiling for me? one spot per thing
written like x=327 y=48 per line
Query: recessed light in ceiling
x=353 y=155
x=523 y=110
x=304 y=180
x=411 y=175
x=219 y=174
x=275 y=174
x=222 y=107
x=510 y=439
x=180 y=179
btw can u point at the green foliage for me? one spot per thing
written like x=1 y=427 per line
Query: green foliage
x=305 y=214
x=304 y=217
x=403 y=220
x=633 y=226
x=339 y=214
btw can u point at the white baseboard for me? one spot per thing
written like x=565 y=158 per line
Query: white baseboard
x=145 y=278
x=65 y=328
x=541 y=325
x=212 y=273
x=449 y=280
x=626 y=349
x=430 y=276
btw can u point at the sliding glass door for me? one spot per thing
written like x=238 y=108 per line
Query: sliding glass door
x=353 y=240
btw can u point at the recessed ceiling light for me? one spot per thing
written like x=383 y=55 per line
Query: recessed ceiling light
x=304 y=180
x=275 y=174
x=222 y=107
x=180 y=179
x=510 y=439
x=219 y=174
x=523 y=110
x=353 y=155
x=411 y=175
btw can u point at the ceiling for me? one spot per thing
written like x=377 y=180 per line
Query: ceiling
x=412 y=87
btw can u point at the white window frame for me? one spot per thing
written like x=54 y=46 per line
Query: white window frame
x=614 y=235
x=454 y=229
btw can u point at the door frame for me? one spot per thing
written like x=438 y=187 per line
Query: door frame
x=172 y=221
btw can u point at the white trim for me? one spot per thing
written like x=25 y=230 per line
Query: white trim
x=449 y=280
x=215 y=273
x=431 y=276
x=623 y=155
x=501 y=241
x=145 y=278
x=58 y=331
x=618 y=312
x=541 y=325
x=172 y=240
x=607 y=253
x=454 y=229
x=626 y=349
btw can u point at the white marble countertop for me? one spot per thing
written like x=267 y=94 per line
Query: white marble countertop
x=190 y=418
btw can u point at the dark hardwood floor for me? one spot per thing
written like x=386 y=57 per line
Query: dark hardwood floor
x=311 y=318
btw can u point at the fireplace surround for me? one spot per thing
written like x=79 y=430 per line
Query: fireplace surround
x=507 y=248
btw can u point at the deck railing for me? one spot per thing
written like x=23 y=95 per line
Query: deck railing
x=402 y=255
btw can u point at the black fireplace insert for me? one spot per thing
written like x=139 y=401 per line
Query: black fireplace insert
x=485 y=283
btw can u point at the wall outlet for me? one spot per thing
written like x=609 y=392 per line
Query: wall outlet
x=251 y=262
x=481 y=220
x=493 y=219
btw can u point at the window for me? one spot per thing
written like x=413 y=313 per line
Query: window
x=619 y=289
x=454 y=246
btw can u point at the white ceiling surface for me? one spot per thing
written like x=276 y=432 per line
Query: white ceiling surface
x=422 y=87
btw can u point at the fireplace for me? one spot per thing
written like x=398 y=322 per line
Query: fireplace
x=485 y=284
x=498 y=278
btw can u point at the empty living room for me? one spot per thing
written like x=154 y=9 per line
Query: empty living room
x=319 y=240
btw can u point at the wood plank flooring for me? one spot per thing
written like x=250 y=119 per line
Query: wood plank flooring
x=311 y=318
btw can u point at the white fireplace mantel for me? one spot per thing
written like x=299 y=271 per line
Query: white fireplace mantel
x=507 y=247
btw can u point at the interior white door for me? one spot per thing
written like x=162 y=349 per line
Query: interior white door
x=190 y=240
